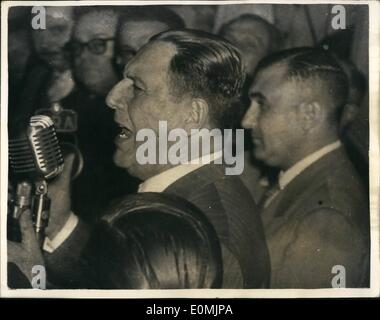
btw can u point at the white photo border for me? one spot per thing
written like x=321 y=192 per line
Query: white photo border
x=374 y=164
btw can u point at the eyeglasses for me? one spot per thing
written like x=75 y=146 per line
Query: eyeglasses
x=95 y=46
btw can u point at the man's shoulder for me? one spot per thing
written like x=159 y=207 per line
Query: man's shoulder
x=224 y=200
x=332 y=182
x=320 y=217
x=228 y=205
x=212 y=181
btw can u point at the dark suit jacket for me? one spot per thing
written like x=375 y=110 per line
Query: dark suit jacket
x=228 y=205
x=319 y=220
x=231 y=210
x=64 y=267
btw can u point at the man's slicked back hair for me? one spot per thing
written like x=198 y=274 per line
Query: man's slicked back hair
x=205 y=66
x=314 y=65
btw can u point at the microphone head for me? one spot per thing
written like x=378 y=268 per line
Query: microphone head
x=39 y=154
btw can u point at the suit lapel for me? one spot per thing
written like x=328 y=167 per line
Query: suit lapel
x=279 y=209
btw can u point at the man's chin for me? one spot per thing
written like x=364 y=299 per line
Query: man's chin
x=260 y=155
x=267 y=159
x=131 y=168
x=120 y=161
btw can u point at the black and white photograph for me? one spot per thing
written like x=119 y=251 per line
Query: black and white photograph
x=151 y=147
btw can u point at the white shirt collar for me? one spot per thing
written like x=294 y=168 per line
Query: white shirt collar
x=161 y=181
x=287 y=176
x=50 y=245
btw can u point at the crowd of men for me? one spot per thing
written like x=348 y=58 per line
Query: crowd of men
x=299 y=208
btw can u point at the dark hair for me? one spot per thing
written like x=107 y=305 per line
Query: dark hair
x=305 y=64
x=276 y=39
x=155 y=241
x=152 y=13
x=205 y=66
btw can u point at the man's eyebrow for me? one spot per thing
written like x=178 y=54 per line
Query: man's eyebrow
x=133 y=77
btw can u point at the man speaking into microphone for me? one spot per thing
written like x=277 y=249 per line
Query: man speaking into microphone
x=189 y=79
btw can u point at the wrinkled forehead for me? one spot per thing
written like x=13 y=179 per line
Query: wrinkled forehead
x=153 y=58
x=96 y=24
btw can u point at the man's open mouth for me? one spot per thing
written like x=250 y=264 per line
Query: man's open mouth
x=125 y=133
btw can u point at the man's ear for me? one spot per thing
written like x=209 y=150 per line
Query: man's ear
x=198 y=116
x=349 y=113
x=310 y=114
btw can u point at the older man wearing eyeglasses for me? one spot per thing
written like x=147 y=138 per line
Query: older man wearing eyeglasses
x=91 y=49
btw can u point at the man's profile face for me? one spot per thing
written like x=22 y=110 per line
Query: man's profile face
x=95 y=70
x=252 y=38
x=273 y=118
x=141 y=100
x=49 y=43
x=133 y=35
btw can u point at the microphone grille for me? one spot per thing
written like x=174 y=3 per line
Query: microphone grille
x=45 y=146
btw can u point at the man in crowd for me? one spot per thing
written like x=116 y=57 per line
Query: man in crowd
x=49 y=45
x=253 y=36
x=138 y=25
x=188 y=79
x=92 y=50
x=48 y=79
x=316 y=217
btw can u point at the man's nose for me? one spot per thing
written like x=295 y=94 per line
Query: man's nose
x=81 y=55
x=251 y=116
x=120 y=95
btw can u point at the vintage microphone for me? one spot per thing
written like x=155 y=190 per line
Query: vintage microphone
x=35 y=159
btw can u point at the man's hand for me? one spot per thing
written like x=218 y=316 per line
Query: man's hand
x=26 y=254
x=59 y=193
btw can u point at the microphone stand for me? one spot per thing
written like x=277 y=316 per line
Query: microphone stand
x=41 y=210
